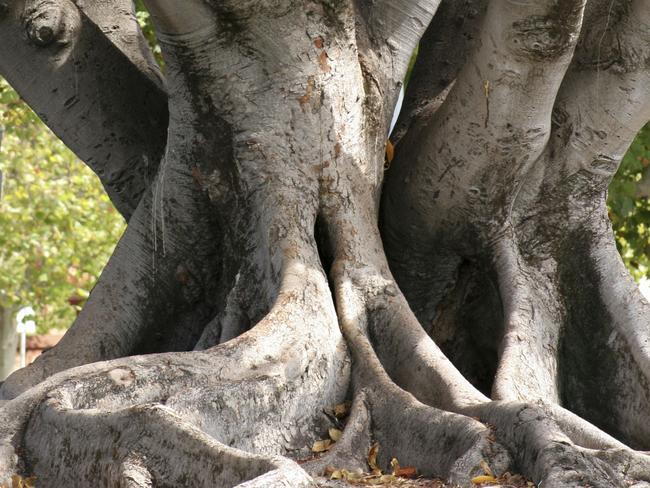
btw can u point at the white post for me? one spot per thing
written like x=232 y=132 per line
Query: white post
x=23 y=348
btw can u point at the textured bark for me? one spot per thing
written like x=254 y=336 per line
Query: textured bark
x=256 y=277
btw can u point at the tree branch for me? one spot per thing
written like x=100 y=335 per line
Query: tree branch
x=172 y=21
x=444 y=48
x=398 y=23
x=92 y=85
x=604 y=101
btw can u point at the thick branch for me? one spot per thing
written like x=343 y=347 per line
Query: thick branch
x=101 y=98
x=398 y=23
x=444 y=48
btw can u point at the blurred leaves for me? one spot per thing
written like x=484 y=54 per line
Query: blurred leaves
x=20 y=482
x=629 y=205
x=57 y=226
x=146 y=25
x=398 y=476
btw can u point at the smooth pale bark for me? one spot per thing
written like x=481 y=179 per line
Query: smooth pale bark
x=255 y=267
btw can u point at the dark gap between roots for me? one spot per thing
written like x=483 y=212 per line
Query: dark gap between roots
x=468 y=325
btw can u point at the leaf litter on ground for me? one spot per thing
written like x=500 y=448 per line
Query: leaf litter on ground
x=399 y=476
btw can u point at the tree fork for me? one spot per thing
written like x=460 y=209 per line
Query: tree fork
x=270 y=337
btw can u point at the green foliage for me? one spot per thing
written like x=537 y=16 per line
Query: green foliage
x=629 y=206
x=409 y=70
x=57 y=226
x=144 y=20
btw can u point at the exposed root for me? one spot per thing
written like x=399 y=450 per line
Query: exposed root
x=162 y=441
x=550 y=444
x=411 y=431
x=528 y=361
x=544 y=439
x=549 y=456
x=143 y=412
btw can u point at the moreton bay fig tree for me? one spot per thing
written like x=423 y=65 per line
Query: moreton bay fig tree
x=467 y=298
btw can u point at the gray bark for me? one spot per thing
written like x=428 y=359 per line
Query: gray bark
x=92 y=80
x=255 y=269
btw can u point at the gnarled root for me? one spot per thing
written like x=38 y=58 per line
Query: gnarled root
x=162 y=417
x=548 y=443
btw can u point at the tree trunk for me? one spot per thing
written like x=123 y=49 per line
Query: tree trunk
x=8 y=342
x=8 y=335
x=252 y=290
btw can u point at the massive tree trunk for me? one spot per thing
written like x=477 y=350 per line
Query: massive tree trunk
x=472 y=307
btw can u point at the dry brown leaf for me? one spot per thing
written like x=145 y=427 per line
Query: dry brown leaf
x=406 y=472
x=372 y=456
x=390 y=151
x=20 y=482
x=342 y=410
x=482 y=479
x=322 y=445
x=335 y=434
x=323 y=62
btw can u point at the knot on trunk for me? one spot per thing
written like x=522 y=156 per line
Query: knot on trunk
x=47 y=21
x=550 y=36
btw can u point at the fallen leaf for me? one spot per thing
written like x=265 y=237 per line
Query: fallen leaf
x=406 y=472
x=335 y=434
x=322 y=445
x=342 y=410
x=372 y=456
x=304 y=100
x=390 y=151
x=323 y=62
x=479 y=480
x=336 y=475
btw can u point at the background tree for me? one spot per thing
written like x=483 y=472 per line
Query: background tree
x=629 y=205
x=57 y=226
x=254 y=265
